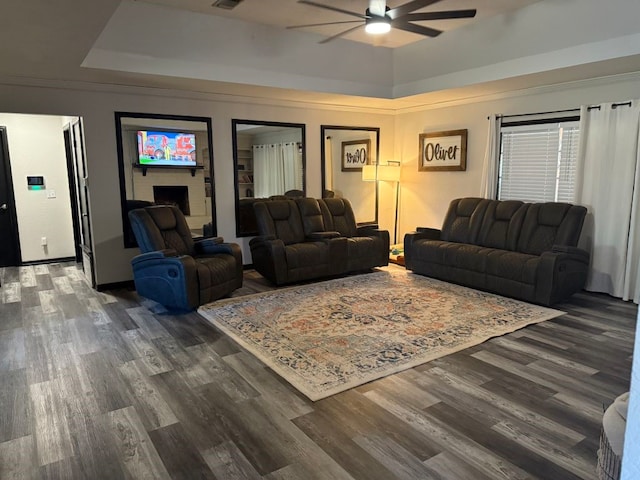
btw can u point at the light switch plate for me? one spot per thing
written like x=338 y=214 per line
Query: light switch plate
x=51 y=194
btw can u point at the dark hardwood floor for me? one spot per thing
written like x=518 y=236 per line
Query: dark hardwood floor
x=96 y=385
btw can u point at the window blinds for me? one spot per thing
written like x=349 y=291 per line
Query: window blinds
x=538 y=162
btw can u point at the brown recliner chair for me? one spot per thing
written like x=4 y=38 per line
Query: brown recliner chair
x=176 y=271
x=367 y=245
x=290 y=249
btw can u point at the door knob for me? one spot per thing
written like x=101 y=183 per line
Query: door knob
x=3 y=206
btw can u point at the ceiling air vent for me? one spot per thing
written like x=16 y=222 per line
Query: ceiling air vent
x=226 y=4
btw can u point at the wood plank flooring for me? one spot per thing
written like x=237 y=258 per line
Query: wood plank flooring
x=105 y=385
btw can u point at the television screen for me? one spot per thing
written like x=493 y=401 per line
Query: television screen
x=173 y=149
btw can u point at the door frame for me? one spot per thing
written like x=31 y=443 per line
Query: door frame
x=73 y=190
x=13 y=214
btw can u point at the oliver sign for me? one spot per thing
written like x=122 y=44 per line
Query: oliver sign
x=443 y=151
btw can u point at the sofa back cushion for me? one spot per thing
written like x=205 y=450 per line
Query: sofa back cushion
x=159 y=227
x=501 y=224
x=280 y=219
x=548 y=224
x=312 y=219
x=463 y=220
x=339 y=216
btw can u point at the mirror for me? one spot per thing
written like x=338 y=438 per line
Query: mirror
x=269 y=162
x=341 y=148
x=166 y=159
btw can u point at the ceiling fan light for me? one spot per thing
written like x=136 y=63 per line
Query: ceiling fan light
x=377 y=26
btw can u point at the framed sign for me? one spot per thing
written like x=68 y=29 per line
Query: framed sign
x=443 y=151
x=355 y=155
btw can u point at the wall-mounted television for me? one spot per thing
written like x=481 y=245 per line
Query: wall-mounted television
x=169 y=149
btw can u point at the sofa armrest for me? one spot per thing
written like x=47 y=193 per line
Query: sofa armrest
x=428 y=233
x=269 y=259
x=172 y=277
x=368 y=226
x=212 y=246
x=410 y=240
x=156 y=255
x=205 y=241
x=323 y=235
x=382 y=242
x=560 y=274
x=369 y=231
x=577 y=253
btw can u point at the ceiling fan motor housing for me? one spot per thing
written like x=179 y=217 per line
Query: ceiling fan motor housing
x=376 y=23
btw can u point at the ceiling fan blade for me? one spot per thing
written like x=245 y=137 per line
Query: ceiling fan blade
x=328 y=39
x=419 y=29
x=333 y=9
x=410 y=7
x=322 y=24
x=444 y=15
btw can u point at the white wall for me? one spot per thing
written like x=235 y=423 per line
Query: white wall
x=97 y=104
x=425 y=196
x=36 y=147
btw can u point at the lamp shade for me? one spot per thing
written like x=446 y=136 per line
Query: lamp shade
x=369 y=173
x=390 y=173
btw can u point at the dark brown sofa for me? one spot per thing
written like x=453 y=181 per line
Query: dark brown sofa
x=521 y=250
x=306 y=238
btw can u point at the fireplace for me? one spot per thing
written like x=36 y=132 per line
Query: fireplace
x=172 y=195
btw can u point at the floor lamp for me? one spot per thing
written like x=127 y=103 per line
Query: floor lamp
x=391 y=173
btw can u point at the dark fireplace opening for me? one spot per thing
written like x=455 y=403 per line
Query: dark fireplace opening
x=172 y=195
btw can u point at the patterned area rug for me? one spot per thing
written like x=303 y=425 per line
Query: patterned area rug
x=327 y=337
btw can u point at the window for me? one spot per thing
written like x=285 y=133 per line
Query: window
x=538 y=161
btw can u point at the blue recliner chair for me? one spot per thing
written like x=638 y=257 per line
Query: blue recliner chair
x=173 y=269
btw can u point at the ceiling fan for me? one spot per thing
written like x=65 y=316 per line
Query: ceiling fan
x=379 y=18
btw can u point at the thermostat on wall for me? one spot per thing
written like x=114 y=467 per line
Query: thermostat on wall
x=35 y=183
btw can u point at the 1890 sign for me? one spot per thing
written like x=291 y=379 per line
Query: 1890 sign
x=442 y=151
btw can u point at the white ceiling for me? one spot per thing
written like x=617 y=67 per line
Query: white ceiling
x=285 y=13
x=172 y=44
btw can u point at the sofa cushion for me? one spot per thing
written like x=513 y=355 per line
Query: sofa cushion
x=160 y=227
x=312 y=219
x=282 y=220
x=463 y=220
x=459 y=255
x=515 y=266
x=548 y=224
x=306 y=253
x=339 y=216
x=501 y=224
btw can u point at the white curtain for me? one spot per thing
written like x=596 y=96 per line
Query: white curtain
x=292 y=164
x=277 y=169
x=490 y=167
x=610 y=188
x=268 y=170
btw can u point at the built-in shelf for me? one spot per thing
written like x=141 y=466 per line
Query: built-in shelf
x=144 y=168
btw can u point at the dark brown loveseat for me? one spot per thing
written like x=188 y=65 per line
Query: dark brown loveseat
x=305 y=239
x=521 y=250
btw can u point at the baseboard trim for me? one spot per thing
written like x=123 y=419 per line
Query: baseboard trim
x=49 y=260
